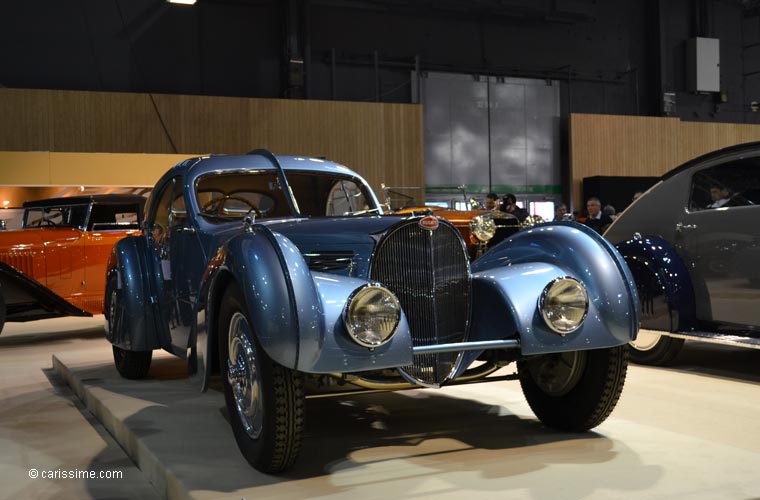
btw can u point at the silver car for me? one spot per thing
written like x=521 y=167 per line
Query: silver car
x=692 y=242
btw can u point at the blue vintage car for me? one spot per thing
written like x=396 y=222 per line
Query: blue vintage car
x=285 y=270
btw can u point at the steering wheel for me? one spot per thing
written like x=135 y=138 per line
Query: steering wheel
x=49 y=222
x=223 y=201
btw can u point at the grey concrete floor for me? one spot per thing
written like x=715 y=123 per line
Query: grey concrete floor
x=689 y=431
x=44 y=426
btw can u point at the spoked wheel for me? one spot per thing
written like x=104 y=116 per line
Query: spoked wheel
x=574 y=391
x=264 y=399
x=652 y=348
x=129 y=364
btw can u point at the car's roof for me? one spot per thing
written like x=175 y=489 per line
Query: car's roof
x=749 y=147
x=204 y=164
x=101 y=199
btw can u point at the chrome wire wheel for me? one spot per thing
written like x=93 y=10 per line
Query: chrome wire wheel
x=243 y=376
x=112 y=309
x=557 y=374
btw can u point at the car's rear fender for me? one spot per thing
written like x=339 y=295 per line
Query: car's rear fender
x=655 y=263
x=132 y=261
x=296 y=314
x=509 y=279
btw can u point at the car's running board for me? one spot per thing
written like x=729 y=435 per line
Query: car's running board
x=719 y=338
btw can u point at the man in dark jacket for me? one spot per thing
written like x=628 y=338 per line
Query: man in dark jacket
x=509 y=205
x=596 y=219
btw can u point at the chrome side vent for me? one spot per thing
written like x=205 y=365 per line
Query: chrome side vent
x=428 y=270
x=327 y=262
x=23 y=261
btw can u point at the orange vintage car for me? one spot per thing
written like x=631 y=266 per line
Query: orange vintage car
x=55 y=265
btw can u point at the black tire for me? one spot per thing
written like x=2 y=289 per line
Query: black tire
x=130 y=364
x=269 y=420
x=651 y=348
x=574 y=391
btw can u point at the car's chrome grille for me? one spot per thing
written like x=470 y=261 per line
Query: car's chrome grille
x=429 y=272
x=22 y=261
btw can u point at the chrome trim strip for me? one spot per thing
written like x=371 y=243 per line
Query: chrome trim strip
x=467 y=346
x=732 y=340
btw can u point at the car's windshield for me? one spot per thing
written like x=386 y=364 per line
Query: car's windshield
x=58 y=216
x=232 y=195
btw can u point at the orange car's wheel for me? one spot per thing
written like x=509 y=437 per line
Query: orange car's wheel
x=2 y=311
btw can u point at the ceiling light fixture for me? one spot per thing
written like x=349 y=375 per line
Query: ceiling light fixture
x=184 y=2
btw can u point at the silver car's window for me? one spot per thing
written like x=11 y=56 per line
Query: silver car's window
x=732 y=184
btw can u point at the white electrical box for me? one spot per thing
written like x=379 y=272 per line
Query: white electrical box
x=703 y=64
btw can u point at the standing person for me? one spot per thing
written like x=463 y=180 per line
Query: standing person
x=596 y=220
x=560 y=212
x=492 y=201
x=509 y=205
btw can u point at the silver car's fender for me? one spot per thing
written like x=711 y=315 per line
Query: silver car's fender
x=509 y=279
x=296 y=314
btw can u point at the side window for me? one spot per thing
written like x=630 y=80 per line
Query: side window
x=159 y=218
x=345 y=198
x=178 y=212
x=732 y=184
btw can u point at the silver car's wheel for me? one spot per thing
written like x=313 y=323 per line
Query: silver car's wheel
x=646 y=340
x=242 y=375
x=653 y=348
x=265 y=400
x=574 y=391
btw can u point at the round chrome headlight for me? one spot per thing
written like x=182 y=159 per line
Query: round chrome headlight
x=564 y=304
x=372 y=315
x=483 y=227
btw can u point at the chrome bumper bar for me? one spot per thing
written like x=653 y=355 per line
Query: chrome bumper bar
x=467 y=346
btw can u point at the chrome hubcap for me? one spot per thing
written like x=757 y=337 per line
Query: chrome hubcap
x=558 y=374
x=242 y=376
x=111 y=311
x=645 y=340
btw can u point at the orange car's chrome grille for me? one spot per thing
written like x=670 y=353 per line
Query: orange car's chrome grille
x=22 y=261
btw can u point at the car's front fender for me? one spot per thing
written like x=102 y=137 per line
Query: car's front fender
x=509 y=279
x=297 y=314
x=131 y=261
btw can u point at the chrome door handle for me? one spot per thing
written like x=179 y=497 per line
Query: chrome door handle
x=680 y=226
x=186 y=229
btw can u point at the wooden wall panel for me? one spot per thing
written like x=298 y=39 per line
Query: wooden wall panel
x=642 y=146
x=31 y=168
x=383 y=142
